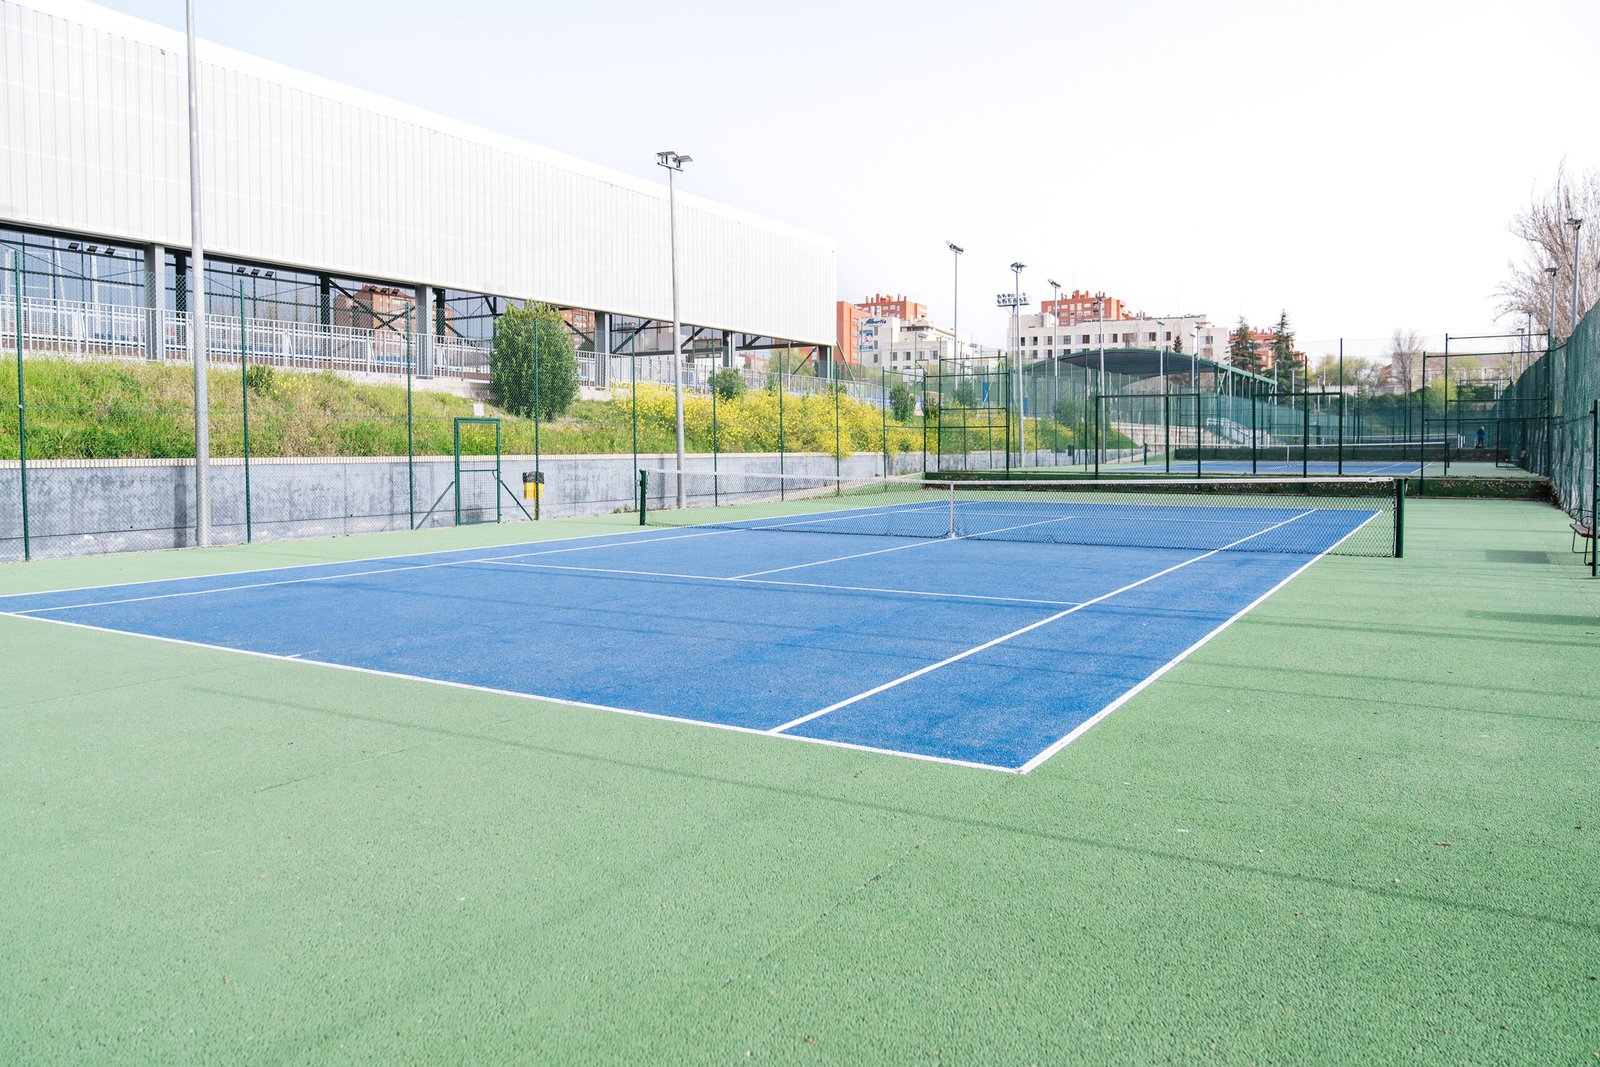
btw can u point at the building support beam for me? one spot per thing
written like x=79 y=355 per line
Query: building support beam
x=423 y=296
x=155 y=278
x=602 y=346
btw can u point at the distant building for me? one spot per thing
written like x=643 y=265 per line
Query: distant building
x=1042 y=336
x=893 y=333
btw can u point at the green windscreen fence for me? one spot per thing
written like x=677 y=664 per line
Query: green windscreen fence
x=1547 y=421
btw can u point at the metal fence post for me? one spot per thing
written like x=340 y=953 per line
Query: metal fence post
x=411 y=451
x=781 y=391
x=883 y=401
x=22 y=417
x=715 y=498
x=1594 y=489
x=244 y=401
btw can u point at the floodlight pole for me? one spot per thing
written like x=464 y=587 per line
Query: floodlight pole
x=1550 y=332
x=1161 y=353
x=955 y=301
x=1016 y=336
x=1055 y=326
x=1577 y=243
x=197 y=310
x=674 y=162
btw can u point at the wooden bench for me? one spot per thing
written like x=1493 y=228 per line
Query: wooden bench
x=1585 y=531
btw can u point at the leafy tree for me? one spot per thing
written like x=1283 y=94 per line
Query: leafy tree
x=728 y=384
x=1242 y=349
x=1067 y=411
x=902 y=402
x=533 y=357
x=966 y=394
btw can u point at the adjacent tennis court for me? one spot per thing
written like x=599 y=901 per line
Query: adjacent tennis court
x=980 y=624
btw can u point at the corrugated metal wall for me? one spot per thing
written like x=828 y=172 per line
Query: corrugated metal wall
x=303 y=172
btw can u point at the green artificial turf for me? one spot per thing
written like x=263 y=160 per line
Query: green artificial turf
x=1359 y=826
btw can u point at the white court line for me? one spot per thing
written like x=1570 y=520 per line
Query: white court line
x=1031 y=626
x=344 y=574
x=793 y=585
x=339 y=562
x=299 y=658
x=902 y=548
x=1083 y=727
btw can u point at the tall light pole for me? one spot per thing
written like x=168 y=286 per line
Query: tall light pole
x=1161 y=352
x=674 y=162
x=1016 y=300
x=197 y=308
x=1577 y=243
x=1550 y=333
x=1055 y=326
x=955 y=299
x=1194 y=359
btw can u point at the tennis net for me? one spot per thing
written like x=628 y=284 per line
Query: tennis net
x=1301 y=516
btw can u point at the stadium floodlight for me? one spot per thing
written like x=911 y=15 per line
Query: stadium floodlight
x=197 y=310
x=673 y=162
x=1577 y=243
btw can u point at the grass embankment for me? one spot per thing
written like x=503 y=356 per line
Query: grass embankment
x=78 y=410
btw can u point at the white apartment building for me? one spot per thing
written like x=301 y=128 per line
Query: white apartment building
x=904 y=347
x=1038 y=335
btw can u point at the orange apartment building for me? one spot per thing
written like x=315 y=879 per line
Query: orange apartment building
x=849 y=320
x=1078 y=307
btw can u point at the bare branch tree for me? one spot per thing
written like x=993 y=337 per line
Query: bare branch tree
x=1405 y=358
x=1548 y=242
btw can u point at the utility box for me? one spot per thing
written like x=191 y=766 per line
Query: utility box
x=532 y=485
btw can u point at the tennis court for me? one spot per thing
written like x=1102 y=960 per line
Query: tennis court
x=988 y=630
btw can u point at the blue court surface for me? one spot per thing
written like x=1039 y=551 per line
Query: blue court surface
x=992 y=653
x=1281 y=467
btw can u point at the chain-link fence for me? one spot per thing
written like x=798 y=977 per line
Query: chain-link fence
x=1548 y=422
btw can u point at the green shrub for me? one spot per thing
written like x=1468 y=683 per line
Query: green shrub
x=728 y=384
x=258 y=379
x=902 y=403
x=533 y=369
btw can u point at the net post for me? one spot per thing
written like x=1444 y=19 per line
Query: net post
x=644 y=482
x=952 y=491
x=1400 y=518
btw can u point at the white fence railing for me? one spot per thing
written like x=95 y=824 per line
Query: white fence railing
x=79 y=330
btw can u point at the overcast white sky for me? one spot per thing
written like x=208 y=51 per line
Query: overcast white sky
x=1354 y=162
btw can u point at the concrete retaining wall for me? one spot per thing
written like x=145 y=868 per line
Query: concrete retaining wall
x=90 y=507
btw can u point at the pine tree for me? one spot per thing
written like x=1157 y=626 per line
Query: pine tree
x=1242 y=349
x=1287 y=364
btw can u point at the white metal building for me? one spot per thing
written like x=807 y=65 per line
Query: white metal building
x=306 y=173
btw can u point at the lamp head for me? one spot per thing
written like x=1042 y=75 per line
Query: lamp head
x=952 y=246
x=1018 y=267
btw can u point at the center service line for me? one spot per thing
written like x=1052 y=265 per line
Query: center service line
x=1031 y=626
